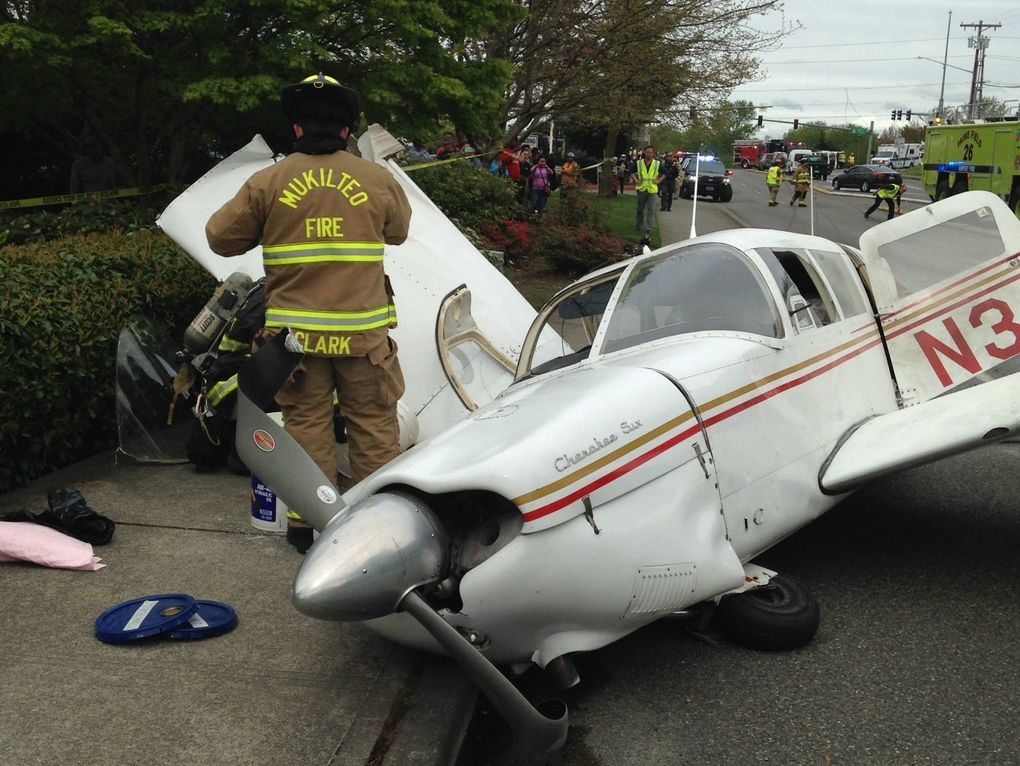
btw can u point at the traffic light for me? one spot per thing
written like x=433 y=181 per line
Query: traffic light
x=899 y=114
x=908 y=115
x=761 y=120
x=796 y=122
x=893 y=115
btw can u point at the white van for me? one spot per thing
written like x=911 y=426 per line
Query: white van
x=794 y=158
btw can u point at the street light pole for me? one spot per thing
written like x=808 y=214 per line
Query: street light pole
x=945 y=59
x=871 y=132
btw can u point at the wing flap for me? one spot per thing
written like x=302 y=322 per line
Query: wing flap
x=940 y=427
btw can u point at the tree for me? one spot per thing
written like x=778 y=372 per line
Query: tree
x=166 y=91
x=620 y=63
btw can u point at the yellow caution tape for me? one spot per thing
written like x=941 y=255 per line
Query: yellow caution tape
x=419 y=166
x=63 y=199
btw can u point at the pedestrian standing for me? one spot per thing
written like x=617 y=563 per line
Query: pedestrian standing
x=570 y=176
x=647 y=178
x=323 y=217
x=623 y=171
x=669 y=171
x=541 y=186
x=774 y=180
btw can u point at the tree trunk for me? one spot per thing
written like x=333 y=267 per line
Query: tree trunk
x=607 y=179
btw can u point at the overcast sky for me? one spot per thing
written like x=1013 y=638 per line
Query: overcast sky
x=855 y=60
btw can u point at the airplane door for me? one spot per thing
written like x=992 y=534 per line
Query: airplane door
x=946 y=282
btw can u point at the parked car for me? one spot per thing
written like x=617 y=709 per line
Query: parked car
x=768 y=160
x=713 y=179
x=866 y=177
x=819 y=165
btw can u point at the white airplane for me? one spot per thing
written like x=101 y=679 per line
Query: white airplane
x=665 y=421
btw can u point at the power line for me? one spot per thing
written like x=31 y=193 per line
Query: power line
x=877 y=42
x=852 y=61
x=855 y=87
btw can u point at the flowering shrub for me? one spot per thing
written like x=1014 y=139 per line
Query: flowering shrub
x=576 y=250
x=513 y=238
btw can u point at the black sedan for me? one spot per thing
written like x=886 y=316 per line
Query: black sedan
x=713 y=179
x=866 y=177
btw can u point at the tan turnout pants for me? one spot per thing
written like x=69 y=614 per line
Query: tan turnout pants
x=367 y=387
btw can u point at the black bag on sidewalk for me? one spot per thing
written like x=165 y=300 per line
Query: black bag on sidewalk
x=69 y=513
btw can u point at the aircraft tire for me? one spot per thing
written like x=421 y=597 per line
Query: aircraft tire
x=780 y=615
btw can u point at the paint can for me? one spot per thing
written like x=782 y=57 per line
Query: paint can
x=268 y=511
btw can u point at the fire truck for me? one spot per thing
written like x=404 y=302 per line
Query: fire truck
x=984 y=156
x=747 y=152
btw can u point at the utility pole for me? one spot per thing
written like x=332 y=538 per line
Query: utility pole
x=871 y=132
x=945 y=60
x=977 y=81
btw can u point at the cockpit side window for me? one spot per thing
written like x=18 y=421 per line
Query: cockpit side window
x=807 y=298
x=696 y=288
x=574 y=319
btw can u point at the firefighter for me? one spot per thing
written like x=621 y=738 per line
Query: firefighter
x=323 y=217
x=774 y=180
x=802 y=185
x=887 y=194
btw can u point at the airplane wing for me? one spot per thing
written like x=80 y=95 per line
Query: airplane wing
x=906 y=438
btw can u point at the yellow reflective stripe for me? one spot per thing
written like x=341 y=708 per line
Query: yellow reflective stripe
x=289 y=260
x=373 y=246
x=222 y=390
x=228 y=345
x=323 y=252
x=331 y=321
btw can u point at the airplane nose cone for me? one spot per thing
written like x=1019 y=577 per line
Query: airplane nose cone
x=366 y=559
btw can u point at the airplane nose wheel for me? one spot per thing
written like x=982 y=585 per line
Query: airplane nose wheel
x=778 y=615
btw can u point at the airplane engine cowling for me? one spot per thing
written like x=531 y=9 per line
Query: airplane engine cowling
x=367 y=558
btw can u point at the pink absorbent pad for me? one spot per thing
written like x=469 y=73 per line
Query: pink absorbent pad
x=24 y=541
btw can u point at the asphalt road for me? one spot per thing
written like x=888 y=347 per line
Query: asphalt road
x=916 y=662
x=837 y=216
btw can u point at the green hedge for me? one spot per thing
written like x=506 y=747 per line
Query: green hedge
x=64 y=303
x=468 y=194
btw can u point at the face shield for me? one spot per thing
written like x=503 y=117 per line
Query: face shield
x=152 y=427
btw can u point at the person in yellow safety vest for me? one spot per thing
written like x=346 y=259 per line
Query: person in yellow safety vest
x=887 y=194
x=841 y=159
x=802 y=185
x=851 y=160
x=647 y=178
x=774 y=180
x=899 y=199
x=323 y=217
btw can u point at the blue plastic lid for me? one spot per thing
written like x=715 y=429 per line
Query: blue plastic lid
x=144 y=617
x=212 y=618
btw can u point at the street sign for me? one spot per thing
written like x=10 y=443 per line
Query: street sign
x=859 y=131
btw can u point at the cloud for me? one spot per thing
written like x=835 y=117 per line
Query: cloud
x=785 y=103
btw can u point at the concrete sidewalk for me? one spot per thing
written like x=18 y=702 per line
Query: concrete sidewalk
x=280 y=689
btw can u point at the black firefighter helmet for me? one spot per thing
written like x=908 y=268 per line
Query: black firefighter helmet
x=320 y=97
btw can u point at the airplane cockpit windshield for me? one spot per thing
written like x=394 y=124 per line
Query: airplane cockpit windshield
x=700 y=287
x=693 y=288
